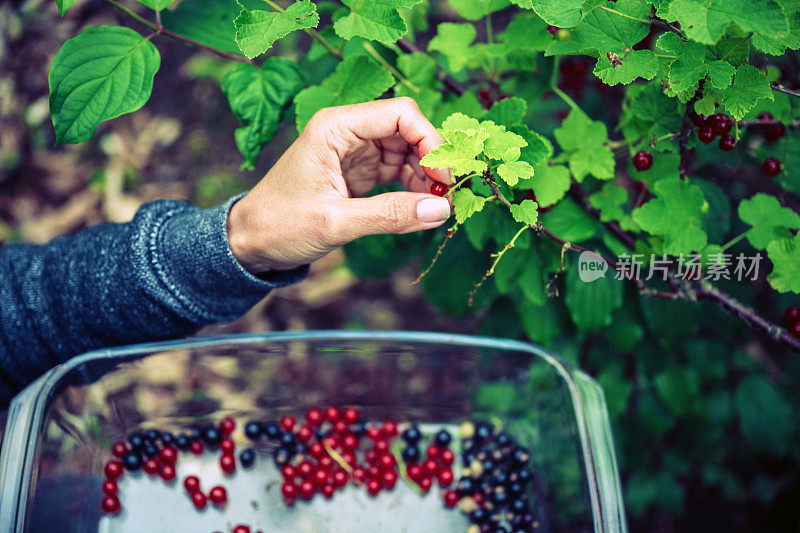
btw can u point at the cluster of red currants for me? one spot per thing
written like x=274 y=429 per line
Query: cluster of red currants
x=717 y=125
x=793 y=320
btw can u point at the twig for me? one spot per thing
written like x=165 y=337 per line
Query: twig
x=448 y=235
x=775 y=86
x=449 y=82
x=683 y=136
x=385 y=64
x=579 y=193
x=498 y=256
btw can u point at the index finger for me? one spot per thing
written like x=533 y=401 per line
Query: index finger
x=383 y=118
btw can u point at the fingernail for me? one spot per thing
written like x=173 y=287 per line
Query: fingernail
x=433 y=210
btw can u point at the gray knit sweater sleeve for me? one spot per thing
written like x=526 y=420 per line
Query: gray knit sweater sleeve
x=165 y=274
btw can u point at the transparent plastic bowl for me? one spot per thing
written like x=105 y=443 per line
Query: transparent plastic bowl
x=60 y=428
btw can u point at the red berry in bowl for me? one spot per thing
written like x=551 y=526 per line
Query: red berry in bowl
x=771 y=167
x=438 y=188
x=167 y=472
x=349 y=458
x=199 y=500
x=113 y=469
x=359 y=474
x=196 y=447
x=447 y=457
x=381 y=446
x=226 y=445
x=720 y=123
x=110 y=487
x=241 y=529
x=792 y=315
x=320 y=478
x=326 y=463
x=349 y=442
x=774 y=132
x=168 y=454
x=288 y=422
x=304 y=434
x=727 y=143
x=327 y=491
x=218 y=495
x=642 y=161
x=451 y=499
x=305 y=469
x=374 y=432
x=227 y=463
x=340 y=427
x=315 y=417
x=389 y=479
x=351 y=415
x=289 y=491
x=340 y=478
x=425 y=484
x=414 y=471
x=288 y=472
x=150 y=466
x=227 y=425
x=191 y=484
x=387 y=461
x=307 y=490
x=374 y=471
x=373 y=487
x=430 y=466
x=110 y=504
x=445 y=477
x=119 y=449
x=316 y=449
x=705 y=134
x=389 y=429
x=332 y=413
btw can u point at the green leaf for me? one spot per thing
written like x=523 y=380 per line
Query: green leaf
x=156 y=5
x=466 y=204
x=765 y=417
x=63 y=5
x=610 y=201
x=378 y=20
x=549 y=183
x=258 y=97
x=502 y=145
x=750 y=85
x=706 y=21
x=785 y=257
x=420 y=69
x=602 y=31
x=356 y=79
x=567 y=220
x=561 y=13
x=633 y=65
x=584 y=139
x=508 y=112
x=497 y=397
x=460 y=121
x=679 y=388
x=100 y=74
x=540 y=322
x=454 y=40
x=769 y=220
x=675 y=214
x=526 y=212
x=477 y=9
x=538 y=150
x=616 y=388
x=514 y=171
x=458 y=153
x=207 y=21
x=257 y=30
x=592 y=303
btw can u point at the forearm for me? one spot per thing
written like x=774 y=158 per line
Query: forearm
x=165 y=274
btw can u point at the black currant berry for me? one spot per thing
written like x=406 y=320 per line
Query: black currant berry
x=152 y=434
x=253 y=430
x=211 y=436
x=443 y=438
x=483 y=431
x=642 y=161
x=771 y=167
x=247 y=458
x=412 y=435
x=272 y=430
x=132 y=461
x=136 y=440
x=727 y=143
x=411 y=454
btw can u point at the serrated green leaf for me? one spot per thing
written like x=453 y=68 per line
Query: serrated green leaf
x=561 y=13
x=777 y=45
x=514 y=171
x=526 y=212
x=675 y=214
x=466 y=204
x=508 y=112
x=750 y=86
x=156 y=5
x=765 y=417
x=356 y=79
x=633 y=65
x=603 y=31
x=591 y=303
x=679 y=388
x=720 y=73
x=769 y=220
x=549 y=183
x=459 y=153
x=378 y=20
x=258 y=97
x=570 y=222
x=454 y=40
x=420 y=69
x=100 y=74
x=460 y=121
x=209 y=22
x=526 y=32
x=706 y=21
x=477 y=9
x=257 y=30
x=584 y=140
x=63 y=5
x=609 y=200
x=539 y=148
x=501 y=144
x=785 y=257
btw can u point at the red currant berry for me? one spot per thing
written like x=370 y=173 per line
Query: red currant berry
x=433 y=451
x=795 y=330
x=227 y=463
x=305 y=469
x=445 y=477
x=320 y=477
x=351 y=415
x=196 y=447
x=374 y=471
x=288 y=472
x=226 y=445
x=485 y=96
x=349 y=458
x=720 y=123
x=553 y=29
x=227 y=425
x=359 y=474
x=327 y=491
x=774 y=132
x=332 y=413
x=316 y=449
x=387 y=461
x=218 y=496
x=373 y=487
x=110 y=504
x=705 y=134
x=110 y=487
x=479 y=498
x=307 y=490
x=389 y=429
x=304 y=434
x=332 y=441
x=199 y=500
x=425 y=484
x=349 y=442
x=642 y=161
x=771 y=167
x=727 y=143
x=765 y=116
x=381 y=446
x=370 y=456
x=326 y=463
x=113 y=469
x=119 y=449
x=430 y=466
x=792 y=315
x=414 y=471
x=150 y=466
x=315 y=417
x=447 y=457
x=389 y=479
x=191 y=484
x=340 y=478
x=288 y=422
x=451 y=499
x=168 y=454
x=698 y=120
x=340 y=427
x=167 y=472
x=289 y=491
x=373 y=432
x=438 y=188
x=241 y=529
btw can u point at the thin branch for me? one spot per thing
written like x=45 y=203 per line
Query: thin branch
x=624 y=15
x=310 y=31
x=386 y=65
x=449 y=81
x=448 y=235
x=579 y=193
x=785 y=90
x=683 y=137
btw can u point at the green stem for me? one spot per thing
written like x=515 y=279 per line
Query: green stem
x=490 y=39
x=311 y=32
x=459 y=183
x=555 y=88
x=133 y=15
x=621 y=14
x=734 y=241
x=388 y=66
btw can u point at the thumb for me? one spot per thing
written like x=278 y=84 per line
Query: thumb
x=391 y=212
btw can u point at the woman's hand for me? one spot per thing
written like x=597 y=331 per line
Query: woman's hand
x=310 y=202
